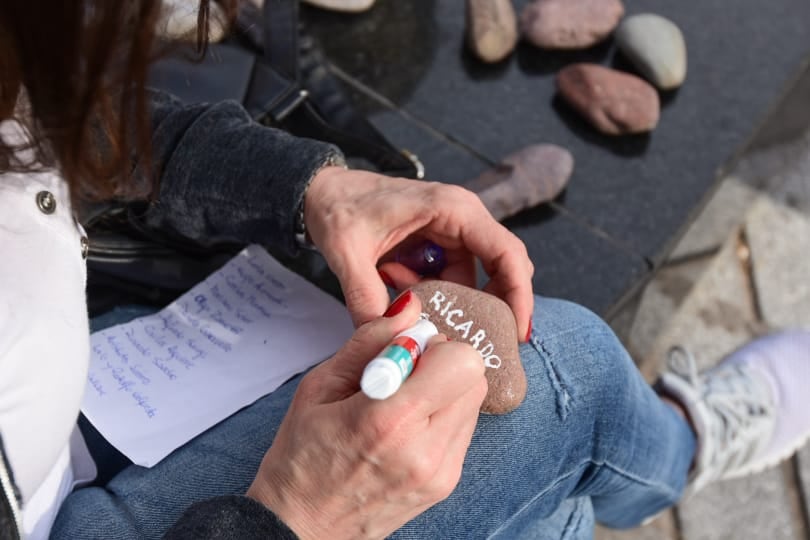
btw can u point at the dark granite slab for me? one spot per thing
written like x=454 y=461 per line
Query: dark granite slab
x=572 y=261
x=640 y=191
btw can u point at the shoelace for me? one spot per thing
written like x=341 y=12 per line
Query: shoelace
x=739 y=405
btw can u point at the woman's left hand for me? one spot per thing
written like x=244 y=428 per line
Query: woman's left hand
x=356 y=218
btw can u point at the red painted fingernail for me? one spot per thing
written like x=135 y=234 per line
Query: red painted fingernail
x=529 y=333
x=399 y=304
x=386 y=279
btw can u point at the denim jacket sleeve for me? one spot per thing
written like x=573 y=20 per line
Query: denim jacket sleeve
x=229 y=517
x=225 y=177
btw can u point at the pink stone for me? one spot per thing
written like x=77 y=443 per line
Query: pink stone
x=569 y=24
x=615 y=102
x=529 y=177
x=485 y=322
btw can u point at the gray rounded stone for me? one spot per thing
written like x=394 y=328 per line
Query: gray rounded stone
x=656 y=47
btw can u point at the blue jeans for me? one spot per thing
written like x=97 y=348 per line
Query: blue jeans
x=591 y=441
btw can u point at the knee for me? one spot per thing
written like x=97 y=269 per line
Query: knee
x=580 y=350
x=554 y=317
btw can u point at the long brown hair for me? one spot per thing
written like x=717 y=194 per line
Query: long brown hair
x=73 y=74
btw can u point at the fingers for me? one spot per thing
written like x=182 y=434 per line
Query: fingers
x=521 y=304
x=339 y=377
x=463 y=221
x=401 y=276
x=460 y=268
x=444 y=373
x=364 y=291
x=356 y=217
x=506 y=261
x=459 y=422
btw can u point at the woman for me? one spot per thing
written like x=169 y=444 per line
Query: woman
x=78 y=124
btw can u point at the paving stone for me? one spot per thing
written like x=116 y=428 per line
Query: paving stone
x=795 y=192
x=791 y=119
x=792 y=185
x=780 y=249
x=750 y=508
x=783 y=172
x=719 y=217
x=662 y=528
x=715 y=318
x=660 y=301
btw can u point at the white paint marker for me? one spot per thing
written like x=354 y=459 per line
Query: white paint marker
x=385 y=374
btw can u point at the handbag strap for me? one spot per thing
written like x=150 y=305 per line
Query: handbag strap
x=323 y=110
x=281 y=33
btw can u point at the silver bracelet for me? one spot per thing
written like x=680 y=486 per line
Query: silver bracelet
x=301 y=236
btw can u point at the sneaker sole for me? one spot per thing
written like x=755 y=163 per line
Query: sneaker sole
x=758 y=467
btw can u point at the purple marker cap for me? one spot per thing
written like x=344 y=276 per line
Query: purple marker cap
x=422 y=256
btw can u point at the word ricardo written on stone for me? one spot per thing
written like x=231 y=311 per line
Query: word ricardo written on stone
x=488 y=325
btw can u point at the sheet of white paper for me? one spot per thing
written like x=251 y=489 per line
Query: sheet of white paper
x=158 y=381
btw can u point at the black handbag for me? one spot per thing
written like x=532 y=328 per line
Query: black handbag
x=279 y=75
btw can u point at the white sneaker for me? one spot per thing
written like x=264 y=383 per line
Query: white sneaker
x=749 y=412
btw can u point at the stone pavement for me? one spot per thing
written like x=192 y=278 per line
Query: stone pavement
x=742 y=269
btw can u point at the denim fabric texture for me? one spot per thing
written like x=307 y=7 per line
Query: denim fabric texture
x=591 y=441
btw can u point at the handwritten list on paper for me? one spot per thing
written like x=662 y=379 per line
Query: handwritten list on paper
x=157 y=382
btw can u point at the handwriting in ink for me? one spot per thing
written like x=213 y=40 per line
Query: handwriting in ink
x=170 y=324
x=143 y=403
x=130 y=333
x=256 y=266
x=269 y=277
x=118 y=374
x=136 y=371
x=96 y=384
x=198 y=352
x=214 y=340
x=247 y=278
x=111 y=340
x=101 y=354
x=166 y=370
x=234 y=286
x=232 y=328
x=202 y=303
x=221 y=298
x=252 y=302
x=154 y=333
x=174 y=354
x=262 y=288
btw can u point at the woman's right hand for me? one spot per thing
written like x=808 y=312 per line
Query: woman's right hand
x=345 y=466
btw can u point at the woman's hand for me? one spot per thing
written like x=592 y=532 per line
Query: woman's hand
x=345 y=466
x=357 y=217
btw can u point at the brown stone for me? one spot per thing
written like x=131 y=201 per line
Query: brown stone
x=531 y=176
x=487 y=323
x=491 y=29
x=615 y=102
x=569 y=24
